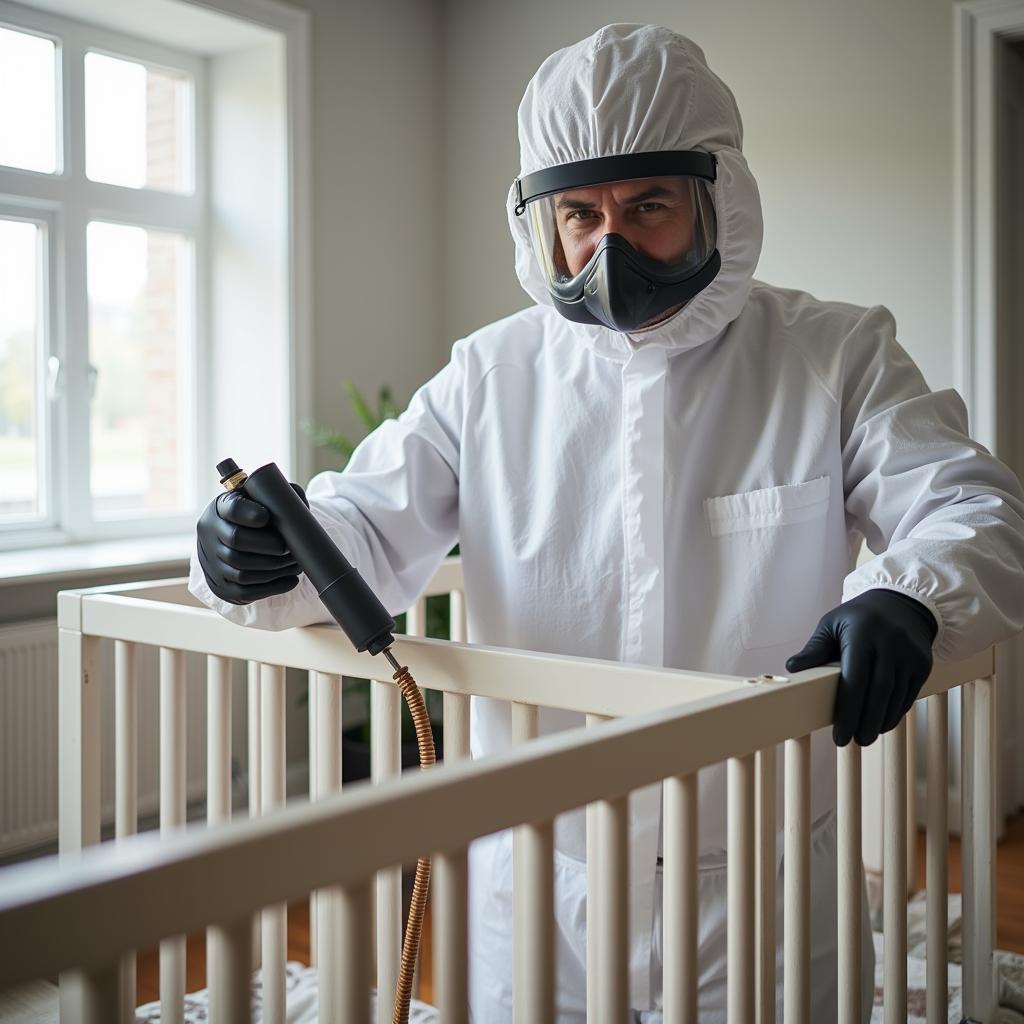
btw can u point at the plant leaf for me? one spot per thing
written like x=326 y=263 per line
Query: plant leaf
x=362 y=410
x=323 y=437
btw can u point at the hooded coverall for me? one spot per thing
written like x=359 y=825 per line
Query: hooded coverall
x=692 y=495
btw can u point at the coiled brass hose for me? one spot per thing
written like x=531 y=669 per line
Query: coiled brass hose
x=421 y=882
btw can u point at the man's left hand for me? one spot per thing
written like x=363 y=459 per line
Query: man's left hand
x=883 y=643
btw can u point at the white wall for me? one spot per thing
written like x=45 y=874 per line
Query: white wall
x=376 y=204
x=249 y=260
x=848 y=115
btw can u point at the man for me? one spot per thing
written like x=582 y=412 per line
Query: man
x=662 y=462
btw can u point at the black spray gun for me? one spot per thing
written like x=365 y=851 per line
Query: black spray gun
x=366 y=622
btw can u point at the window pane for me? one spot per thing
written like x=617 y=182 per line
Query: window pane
x=138 y=124
x=140 y=344
x=28 y=101
x=21 y=340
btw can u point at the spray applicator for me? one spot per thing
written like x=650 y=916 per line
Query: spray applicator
x=369 y=626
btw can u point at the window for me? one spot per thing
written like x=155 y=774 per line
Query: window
x=102 y=240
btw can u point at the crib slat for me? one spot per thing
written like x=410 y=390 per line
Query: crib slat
x=967 y=827
x=894 y=832
x=416 y=618
x=593 y=898
x=740 y=889
x=218 y=779
x=272 y=785
x=255 y=771
x=172 y=812
x=451 y=943
x=218 y=739
x=679 y=912
x=911 y=783
x=312 y=697
x=326 y=706
x=231 y=975
x=255 y=734
x=797 y=884
x=530 y=904
x=456 y=726
x=937 y=866
x=354 y=974
x=849 y=893
x=457 y=616
x=126 y=738
x=524 y=722
x=764 y=886
x=534 y=985
x=100 y=994
x=978 y=844
x=126 y=760
x=385 y=754
x=613 y=922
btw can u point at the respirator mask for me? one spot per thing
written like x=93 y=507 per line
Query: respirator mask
x=623 y=239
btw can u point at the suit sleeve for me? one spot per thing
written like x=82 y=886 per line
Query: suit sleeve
x=393 y=512
x=943 y=517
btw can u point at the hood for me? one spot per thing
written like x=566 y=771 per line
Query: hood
x=637 y=89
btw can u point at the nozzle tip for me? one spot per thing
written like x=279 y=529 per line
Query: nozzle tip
x=226 y=469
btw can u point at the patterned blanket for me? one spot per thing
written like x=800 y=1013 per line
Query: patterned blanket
x=301 y=982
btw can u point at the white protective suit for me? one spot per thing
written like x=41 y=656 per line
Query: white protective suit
x=691 y=495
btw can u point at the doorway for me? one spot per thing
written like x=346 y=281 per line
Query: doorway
x=989 y=286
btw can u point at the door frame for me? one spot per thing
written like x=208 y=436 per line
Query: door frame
x=980 y=28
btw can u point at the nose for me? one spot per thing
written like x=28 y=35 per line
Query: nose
x=616 y=223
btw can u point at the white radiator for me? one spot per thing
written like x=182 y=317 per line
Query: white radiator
x=28 y=733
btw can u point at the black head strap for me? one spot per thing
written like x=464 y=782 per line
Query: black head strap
x=584 y=173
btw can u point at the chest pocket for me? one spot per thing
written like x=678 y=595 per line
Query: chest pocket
x=769 y=547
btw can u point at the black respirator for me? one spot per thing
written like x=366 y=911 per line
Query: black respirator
x=663 y=201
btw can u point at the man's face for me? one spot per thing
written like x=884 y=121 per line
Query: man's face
x=655 y=215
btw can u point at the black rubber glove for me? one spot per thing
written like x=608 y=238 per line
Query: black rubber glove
x=883 y=643
x=243 y=557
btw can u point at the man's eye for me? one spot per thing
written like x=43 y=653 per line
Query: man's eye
x=579 y=215
x=650 y=207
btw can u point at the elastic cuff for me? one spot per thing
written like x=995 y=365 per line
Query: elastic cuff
x=908 y=592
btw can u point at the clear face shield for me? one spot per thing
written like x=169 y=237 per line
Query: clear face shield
x=621 y=247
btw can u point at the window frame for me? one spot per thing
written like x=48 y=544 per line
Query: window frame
x=67 y=200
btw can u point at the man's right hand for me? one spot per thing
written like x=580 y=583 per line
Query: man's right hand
x=243 y=557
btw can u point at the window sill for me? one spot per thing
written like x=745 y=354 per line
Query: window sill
x=71 y=562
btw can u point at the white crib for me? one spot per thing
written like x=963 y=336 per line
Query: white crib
x=83 y=913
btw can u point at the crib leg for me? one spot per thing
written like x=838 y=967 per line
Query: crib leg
x=78 y=759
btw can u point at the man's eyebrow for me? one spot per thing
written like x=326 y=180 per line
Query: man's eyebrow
x=655 y=192
x=565 y=203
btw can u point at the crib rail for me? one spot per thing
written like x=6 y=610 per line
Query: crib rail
x=668 y=725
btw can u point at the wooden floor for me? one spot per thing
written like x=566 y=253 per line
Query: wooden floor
x=1009 y=932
